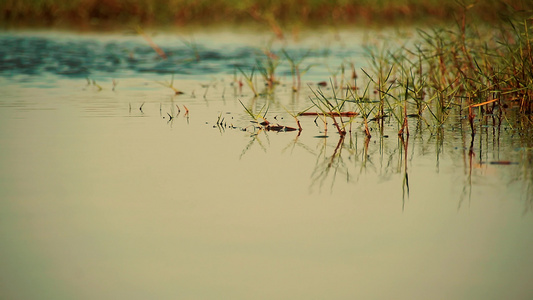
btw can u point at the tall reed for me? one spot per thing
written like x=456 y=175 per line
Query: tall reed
x=476 y=69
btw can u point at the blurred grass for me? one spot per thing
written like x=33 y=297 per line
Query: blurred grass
x=87 y=13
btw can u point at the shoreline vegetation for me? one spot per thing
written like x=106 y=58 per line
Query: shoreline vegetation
x=479 y=70
x=482 y=67
x=273 y=14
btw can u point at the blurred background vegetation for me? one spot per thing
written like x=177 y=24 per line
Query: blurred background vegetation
x=115 y=13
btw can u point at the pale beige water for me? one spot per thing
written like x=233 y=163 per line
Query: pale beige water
x=100 y=201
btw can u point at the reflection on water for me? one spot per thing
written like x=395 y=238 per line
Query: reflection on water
x=347 y=159
x=130 y=191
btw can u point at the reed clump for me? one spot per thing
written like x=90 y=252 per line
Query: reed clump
x=467 y=69
x=472 y=70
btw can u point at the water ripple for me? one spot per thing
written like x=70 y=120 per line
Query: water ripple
x=73 y=56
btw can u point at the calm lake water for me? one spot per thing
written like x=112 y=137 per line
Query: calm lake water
x=104 y=196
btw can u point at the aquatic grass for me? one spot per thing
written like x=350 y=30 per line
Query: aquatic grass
x=459 y=68
x=322 y=104
x=170 y=85
x=295 y=116
x=296 y=71
x=385 y=96
x=332 y=109
x=257 y=116
x=267 y=66
x=413 y=89
x=379 y=61
x=366 y=107
x=249 y=80
x=405 y=124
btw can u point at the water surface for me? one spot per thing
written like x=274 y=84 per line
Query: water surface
x=104 y=196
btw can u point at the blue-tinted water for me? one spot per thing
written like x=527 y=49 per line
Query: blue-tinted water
x=126 y=55
x=103 y=196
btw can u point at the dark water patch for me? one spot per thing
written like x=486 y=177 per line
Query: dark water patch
x=80 y=57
